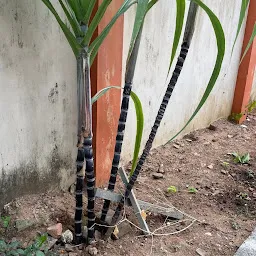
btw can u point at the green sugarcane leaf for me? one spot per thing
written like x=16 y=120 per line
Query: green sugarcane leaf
x=95 y=45
x=243 y=9
x=139 y=117
x=102 y=92
x=88 y=12
x=151 y=4
x=220 y=37
x=84 y=5
x=77 y=8
x=141 y=12
x=180 y=14
x=72 y=21
x=95 y=21
x=139 y=131
x=70 y=37
x=250 y=42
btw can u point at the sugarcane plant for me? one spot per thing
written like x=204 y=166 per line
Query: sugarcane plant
x=220 y=39
x=189 y=29
x=79 y=33
x=83 y=17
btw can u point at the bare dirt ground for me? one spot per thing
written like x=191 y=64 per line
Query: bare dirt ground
x=223 y=202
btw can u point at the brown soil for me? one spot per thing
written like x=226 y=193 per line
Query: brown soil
x=224 y=204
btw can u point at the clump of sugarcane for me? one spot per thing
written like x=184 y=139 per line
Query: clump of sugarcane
x=189 y=29
x=83 y=25
x=143 y=7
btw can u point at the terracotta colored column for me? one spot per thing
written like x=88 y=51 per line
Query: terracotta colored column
x=246 y=69
x=106 y=71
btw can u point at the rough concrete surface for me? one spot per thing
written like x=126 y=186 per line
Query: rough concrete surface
x=248 y=248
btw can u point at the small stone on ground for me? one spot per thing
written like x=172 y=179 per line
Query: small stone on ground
x=157 y=175
x=200 y=252
x=55 y=231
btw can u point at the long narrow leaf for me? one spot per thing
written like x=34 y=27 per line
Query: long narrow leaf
x=151 y=4
x=84 y=5
x=220 y=37
x=73 y=22
x=95 y=21
x=180 y=13
x=76 y=7
x=139 y=117
x=250 y=42
x=70 y=37
x=102 y=92
x=243 y=9
x=89 y=11
x=95 y=45
x=139 y=131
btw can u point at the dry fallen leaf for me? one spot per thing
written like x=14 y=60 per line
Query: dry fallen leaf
x=143 y=214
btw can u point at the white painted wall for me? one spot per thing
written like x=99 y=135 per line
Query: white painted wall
x=150 y=78
x=37 y=100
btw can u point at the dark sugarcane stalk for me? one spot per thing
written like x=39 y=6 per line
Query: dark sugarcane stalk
x=122 y=121
x=190 y=25
x=84 y=149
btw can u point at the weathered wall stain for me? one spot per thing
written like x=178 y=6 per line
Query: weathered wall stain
x=37 y=101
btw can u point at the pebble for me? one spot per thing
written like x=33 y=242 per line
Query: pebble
x=230 y=136
x=223 y=172
x=69 y=248
x=55 y=231
x=210 y=166
x=67 y=237
x=157 y=175
x=92 y=251
x=161 y=168
x=254 y=195
x=200 y=252
x=176 y=146
x=208 y=234
x=212 y=127
x=243 y=126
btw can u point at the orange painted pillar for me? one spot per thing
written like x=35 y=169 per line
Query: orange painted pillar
x=246 y=69
x=106 y=71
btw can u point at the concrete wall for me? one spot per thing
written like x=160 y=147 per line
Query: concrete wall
x=153 y=62
x=37 y=100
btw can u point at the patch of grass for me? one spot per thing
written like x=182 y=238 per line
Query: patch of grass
x=172 y=189
x=192 y=190
x=5 y=221
x=241 y=159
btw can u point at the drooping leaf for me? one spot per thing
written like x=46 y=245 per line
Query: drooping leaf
x=72 y=20
x=180 y=14
x=220 y=37
x=244 y=5
x=151 y=4
x=70 y=37
x=102 y=92
x=139 y=117
x=139 y=131
x=89 y=10
x=95 y=45
x=250 y=42
x=95 y=21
